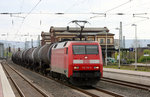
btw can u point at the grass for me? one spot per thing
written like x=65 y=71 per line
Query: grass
x=129 y=67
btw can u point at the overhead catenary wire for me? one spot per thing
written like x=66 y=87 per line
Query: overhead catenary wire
x=27 y=16
x=31 y=11
x=118 y=6
x=60 y=13
x=33 y=8
x=113 y=9
x=129 y=24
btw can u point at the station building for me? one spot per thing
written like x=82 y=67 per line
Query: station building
x=100 y=34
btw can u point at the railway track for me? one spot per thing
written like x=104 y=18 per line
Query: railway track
x=92 y=91
x=126 y=83
x=108 y=92
x=24 y=86
x=89 y=91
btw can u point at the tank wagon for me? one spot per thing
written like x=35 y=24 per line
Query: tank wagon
x=79 y=62
x=17 y=57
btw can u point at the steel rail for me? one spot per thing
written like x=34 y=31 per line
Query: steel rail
x=40 y=91
x=108 y=92
x=126 y=83
x=86 y=92
x=16 y=86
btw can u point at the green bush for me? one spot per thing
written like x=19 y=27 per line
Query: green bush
x=8 y=54
x=144 y=59
x=130 y=61
x=147 y=51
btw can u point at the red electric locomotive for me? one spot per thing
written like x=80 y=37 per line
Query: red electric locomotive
x=80 y=61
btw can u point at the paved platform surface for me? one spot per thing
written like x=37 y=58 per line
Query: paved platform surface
x=130 y=72
x=141 y=64
x=1 y=90
x=128 y=75
x=5 y=88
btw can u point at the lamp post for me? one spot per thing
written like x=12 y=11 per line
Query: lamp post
x=6 y=46
x=106 y=50
x=119 y=47
x=135 y=45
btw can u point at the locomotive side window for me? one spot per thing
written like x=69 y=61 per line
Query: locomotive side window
x=64 y=44
x=66 y=50
x=91 y=49
x=85 y=49
x=55 y=46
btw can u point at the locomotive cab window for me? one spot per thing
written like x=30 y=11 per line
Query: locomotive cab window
x=78 y=49
x=85 y=49
x=91 y=49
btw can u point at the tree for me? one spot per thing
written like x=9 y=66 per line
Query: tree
x=145 y=58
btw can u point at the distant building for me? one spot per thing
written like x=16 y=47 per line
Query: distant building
x=90 y=33
x=1 y=50
x=27 y=44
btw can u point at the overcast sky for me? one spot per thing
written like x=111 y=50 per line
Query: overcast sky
x=44 y=15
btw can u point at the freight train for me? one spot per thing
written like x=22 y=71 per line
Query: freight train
x=79 y=62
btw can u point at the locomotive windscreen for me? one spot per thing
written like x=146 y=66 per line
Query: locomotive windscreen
x=85 y=49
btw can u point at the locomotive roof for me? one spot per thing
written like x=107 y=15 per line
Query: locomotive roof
x=82 y=41
x=63 y=44
x=76 y=42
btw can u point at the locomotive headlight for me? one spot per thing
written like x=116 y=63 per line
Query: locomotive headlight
x=96 y=67
x=76 y=67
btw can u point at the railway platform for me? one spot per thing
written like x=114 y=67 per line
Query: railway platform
x=129 y=72
x=5 y=87
x=128 y=75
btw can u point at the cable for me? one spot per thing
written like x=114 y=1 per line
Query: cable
x=88 y=13
x=113 y=9
x=129 y=24
x=118 y=6
x=28 y=15
x=33 y=8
